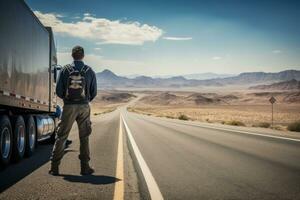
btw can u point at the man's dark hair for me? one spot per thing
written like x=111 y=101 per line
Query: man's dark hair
x=77 y=53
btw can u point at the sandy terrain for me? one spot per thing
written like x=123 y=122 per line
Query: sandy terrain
x=108 y=101
x=250 y=108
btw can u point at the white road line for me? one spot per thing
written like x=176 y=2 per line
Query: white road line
x=243 y=132
x=119 y=186
x=257 y=134
x=153 y=188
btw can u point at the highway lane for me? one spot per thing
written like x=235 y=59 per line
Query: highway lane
x=190 y=162
x=185 y=160
x=29 y=179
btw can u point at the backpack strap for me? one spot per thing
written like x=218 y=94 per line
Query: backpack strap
x=84 y=69
x=69 y=68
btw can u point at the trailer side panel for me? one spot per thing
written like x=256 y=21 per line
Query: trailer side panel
x=24 y=58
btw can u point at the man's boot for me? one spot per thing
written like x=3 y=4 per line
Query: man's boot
x=54 y=170
x=86 y=169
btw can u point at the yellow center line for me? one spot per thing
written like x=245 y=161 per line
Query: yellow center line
x=119 y=186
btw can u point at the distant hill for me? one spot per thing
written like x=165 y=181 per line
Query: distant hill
x=285 y=85
x=193 y=99
x=207 y=76
x=260 y=77
x=107 y=79
x=197 y=76
x=112 y=97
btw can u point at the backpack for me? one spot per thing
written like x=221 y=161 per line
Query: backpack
x=76 y=84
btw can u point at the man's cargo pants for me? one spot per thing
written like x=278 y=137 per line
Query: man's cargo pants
x=72 y=112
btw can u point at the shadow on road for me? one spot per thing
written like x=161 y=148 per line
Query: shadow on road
x=17 y=171
x=92 y=179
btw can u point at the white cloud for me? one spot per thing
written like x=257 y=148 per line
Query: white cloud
x=59 y=15
x=103 y=30
x=63 y=49
x=87 y=14
x=276 y=51
x=177 y=38
x=97 y=48
x=216 y=58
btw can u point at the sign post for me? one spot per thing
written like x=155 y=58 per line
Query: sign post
x=272 y=101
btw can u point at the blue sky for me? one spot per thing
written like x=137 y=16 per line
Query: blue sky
x=173 y=37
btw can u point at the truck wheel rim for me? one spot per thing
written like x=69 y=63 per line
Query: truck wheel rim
x=5 y=143
x=21 y=138
x=31 y=137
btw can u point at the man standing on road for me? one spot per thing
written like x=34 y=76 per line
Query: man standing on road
x=77 y=86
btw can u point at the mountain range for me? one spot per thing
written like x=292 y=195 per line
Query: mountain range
x=198 y=76
x=108 y=79
x=260 y=77
x=285 y=85
x=207 y=76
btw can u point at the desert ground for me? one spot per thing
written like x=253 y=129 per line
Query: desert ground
x=240 y=107
x=108 y=101
x=233 y=107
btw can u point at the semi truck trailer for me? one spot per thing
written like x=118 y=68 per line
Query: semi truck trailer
x=27 y=81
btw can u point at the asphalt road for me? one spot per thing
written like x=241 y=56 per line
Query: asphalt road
x=29 y=179
x=179 y=159
x=192 y=162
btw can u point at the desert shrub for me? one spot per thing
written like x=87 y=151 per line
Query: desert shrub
x=279 y=128
x=235 y=123
x=130 y=109
x=105 y=111
x=262 y=124
x=170 y=117
x=208 y=120
x=183 y=117
x=295 y=126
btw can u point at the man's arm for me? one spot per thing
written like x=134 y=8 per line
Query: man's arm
x=60 y=87
x=93 y=88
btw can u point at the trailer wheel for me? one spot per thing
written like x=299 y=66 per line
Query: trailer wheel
x=19 y=138
x=5 y=140
x=30 y=136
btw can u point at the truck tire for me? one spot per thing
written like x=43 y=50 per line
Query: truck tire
x=6 y=139
x=19 y=138
x=30 y=136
